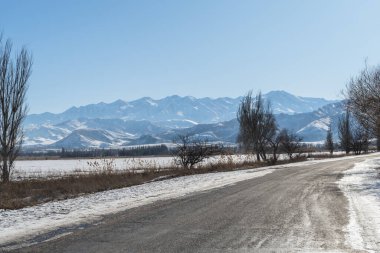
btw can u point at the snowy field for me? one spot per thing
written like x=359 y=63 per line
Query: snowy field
x=56 y=168
x=25 y=169
x=62 y=167
x=361 y=186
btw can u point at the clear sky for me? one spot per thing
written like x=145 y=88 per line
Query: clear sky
x=91 y=51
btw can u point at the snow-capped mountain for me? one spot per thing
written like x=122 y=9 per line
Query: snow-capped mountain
x=84 y=132
x=148 y=121
x=178 y=110
x=284 y=102
x=311 y=126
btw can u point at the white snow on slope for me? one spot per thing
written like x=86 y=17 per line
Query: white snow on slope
x=322 y=124
x=361 y=186
x=31 y=221
x=151 y=102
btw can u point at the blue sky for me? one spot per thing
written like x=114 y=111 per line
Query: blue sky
x=91 y=51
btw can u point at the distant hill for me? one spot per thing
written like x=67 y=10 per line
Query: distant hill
x=178 y=109
x=149 y=121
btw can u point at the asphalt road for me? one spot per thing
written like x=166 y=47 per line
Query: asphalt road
x=291 y=209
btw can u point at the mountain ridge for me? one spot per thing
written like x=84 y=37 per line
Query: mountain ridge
x=199 y=110
x=121 y=131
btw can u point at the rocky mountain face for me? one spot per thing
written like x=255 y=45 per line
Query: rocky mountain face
x=149 y=121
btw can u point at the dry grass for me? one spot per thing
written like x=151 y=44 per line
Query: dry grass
x=19 y=194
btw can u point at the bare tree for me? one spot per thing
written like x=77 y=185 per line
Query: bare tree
x=344 y=132
x=363 y=94
x=329 y=143
x=290 y=142
x=360 y=140
x=274 y=144
x=14 y=76
x=257 y=125
x=247 y=128
x=191 y=151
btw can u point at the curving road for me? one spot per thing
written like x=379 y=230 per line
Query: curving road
x=291 y=209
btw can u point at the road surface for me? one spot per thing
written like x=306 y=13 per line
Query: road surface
x=291 y=209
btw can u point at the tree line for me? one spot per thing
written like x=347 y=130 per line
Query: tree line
x=144 y=150
x=259 y=132
x=363 y=103
x=361 y=121
x=357 y=127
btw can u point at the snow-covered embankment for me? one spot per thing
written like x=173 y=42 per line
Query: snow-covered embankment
x=361 y=186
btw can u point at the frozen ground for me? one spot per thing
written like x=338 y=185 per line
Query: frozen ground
x=56 y=168
x=61 y=167
x=361 y=186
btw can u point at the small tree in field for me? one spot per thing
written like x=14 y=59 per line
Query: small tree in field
x=290 y=142
x=344 y=132
x=360 y=139
x=257 y=125
x=191 y=151
x=14 y=76
x=329 y=143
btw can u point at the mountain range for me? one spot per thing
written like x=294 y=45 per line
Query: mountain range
x=149 y=121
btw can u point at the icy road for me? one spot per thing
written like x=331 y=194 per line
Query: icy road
x=329 y=206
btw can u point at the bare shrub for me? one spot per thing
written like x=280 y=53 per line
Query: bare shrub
x=290 y=143
x=360 y=139
x=191 y=150
x=329 y=143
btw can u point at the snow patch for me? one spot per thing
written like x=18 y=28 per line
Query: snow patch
x=151 y=102
x=191 y=121
x=361 y=186
x=322 y=124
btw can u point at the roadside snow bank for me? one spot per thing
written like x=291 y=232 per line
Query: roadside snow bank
x=361 y=186
x=32 y=221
